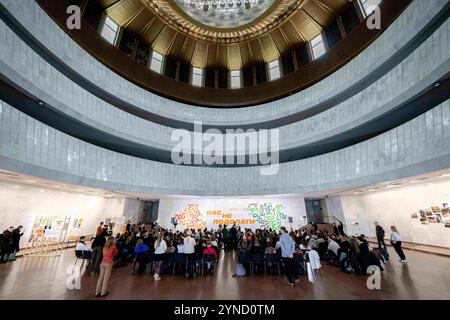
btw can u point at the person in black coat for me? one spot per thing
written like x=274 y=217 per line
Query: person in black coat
x=364 y=254
x=380 y=235
x=15 y=241
x=5 y=244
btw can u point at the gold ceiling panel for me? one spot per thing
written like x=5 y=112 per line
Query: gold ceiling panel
x=188 y=50
x=234 y=57
x=306 y=25
x=107 y=3
x=280 y=41
x=124 y=11
x=140 y=21
x=292 y=34
x=177 y=45
x=200 y=54
x=211 y=60
x=246 y=56
x=269 y=49
x=152 y=31
x=318 y=13
x=164 y=40
x=256 y=51
x=222 y=56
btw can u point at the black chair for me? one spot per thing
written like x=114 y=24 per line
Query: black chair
x=169 y=260
x=208 y=259
x=179 y=259
x=141 y=260
x=258 y=259
x=299 y=264
x=244 y=258
x=83 y=256
x=273 y=260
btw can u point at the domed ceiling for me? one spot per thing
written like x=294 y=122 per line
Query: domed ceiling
x=185 y=31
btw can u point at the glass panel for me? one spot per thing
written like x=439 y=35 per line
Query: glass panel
x=197 y=77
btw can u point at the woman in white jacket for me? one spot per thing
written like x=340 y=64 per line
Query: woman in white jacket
x=160 y=250
x=396 y=241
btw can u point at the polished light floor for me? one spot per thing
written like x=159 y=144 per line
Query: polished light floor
x=425 y=276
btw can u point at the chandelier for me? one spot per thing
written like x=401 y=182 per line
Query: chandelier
x=224 y=13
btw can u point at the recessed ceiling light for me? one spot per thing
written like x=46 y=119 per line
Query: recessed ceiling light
x=31 y=181
x=42 y=190
x=445 y=175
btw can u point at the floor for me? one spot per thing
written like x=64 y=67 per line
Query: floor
x=442 y=251
x=424 y=277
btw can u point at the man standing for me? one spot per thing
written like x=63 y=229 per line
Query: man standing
x=287 y=254
x=15 y=240
x=5 y=244
x=233 y=236
x=97 y=251
x=380 y=235
x=225 y=238
x=189 y=251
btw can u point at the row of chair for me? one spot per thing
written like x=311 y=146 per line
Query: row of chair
x=266 y=260
x=174 y=260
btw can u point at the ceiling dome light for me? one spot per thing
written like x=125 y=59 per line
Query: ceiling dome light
x=230 y=11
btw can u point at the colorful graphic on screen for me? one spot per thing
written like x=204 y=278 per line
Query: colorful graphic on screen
x=191 y=217
x=268 y=215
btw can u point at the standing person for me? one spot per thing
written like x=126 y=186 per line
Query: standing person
x=109 y=252
x=225 y=237
x=160 y=250
x=341 y=229
x=99 y=229
x=380 y=235
x=97 y=252
x=15 y=240
x=287 y=255
x=396 y=241
x=189 y=251
x=5 y=244
x=233 y=237
x=128 y=227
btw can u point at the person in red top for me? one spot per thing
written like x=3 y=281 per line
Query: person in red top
x=210 y=250
x=109 y=252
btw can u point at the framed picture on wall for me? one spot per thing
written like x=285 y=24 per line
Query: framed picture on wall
x=429 y=212
x=445 y=212
x=414 y=215
x=423 y=215
x=424 y=221
x=446 y=222
x=438 y=218
x=435 y=209
x=432 y=219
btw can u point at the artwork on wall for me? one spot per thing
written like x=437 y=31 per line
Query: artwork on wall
x=434 y=215
x=269 y=216
x=254 y=215
x=191 y=217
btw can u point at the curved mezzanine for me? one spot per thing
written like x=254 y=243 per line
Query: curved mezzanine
x=343 y=125
x=405 y=33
